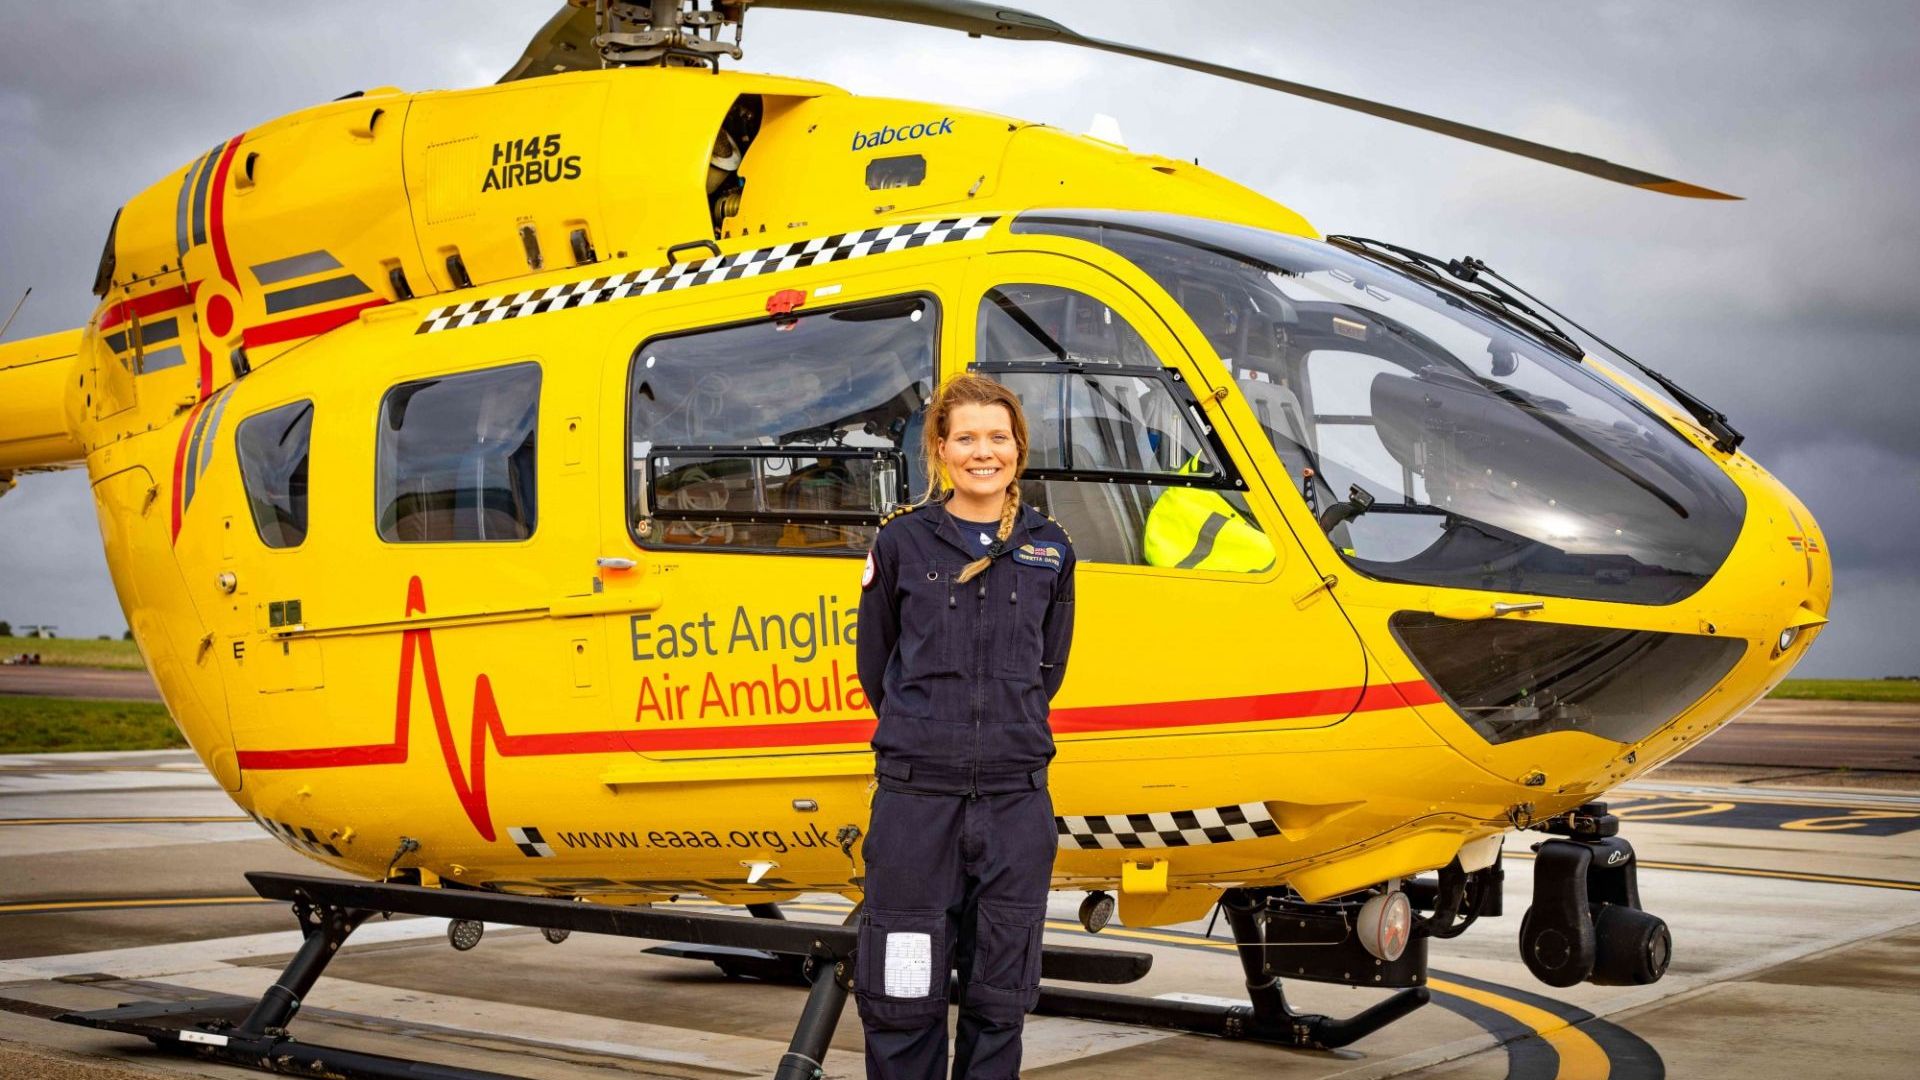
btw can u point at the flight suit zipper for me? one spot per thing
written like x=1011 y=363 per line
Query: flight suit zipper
x=979 y=675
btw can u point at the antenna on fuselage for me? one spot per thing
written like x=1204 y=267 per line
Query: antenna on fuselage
x=16 y=310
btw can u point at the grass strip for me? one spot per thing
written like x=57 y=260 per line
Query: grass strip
x=36 y=725
x=1848 y=690
x=76 y=652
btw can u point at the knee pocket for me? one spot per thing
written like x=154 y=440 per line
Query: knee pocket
x=1006 y=966
x=900 y=970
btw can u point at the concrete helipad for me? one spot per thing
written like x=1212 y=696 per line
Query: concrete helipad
x=1795 y=916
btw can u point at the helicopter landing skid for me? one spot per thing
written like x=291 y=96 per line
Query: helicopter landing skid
x=1301 y=940
x=771 y=967
x=253 y=1034
x=1257 y=933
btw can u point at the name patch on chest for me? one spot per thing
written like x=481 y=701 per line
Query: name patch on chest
x=1047 y=555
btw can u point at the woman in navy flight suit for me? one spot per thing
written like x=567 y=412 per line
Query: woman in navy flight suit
x=966 y=616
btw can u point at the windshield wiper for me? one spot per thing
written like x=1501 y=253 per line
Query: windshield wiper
x=1469 y=270
x=1501 y=302
x=1726 y=438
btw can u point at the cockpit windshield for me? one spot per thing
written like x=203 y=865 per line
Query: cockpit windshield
x=1439 y=443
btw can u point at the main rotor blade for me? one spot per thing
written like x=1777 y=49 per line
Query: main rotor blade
x=565 y=43
x=988 y=20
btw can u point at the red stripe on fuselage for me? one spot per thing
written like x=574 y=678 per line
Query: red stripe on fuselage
x=216 y=215
x=1236 y=710
x=180 y=463
x=1253 y=709
x=222 y=258
x=470 y=783
x=1403 y=695
x=146 y=306
x=300 y=326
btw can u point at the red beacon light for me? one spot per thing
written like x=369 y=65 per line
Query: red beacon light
x=781 y=306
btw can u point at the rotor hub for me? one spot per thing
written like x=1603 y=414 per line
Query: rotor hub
x=665 y=33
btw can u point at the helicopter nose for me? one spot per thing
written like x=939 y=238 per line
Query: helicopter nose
x=1798 y=568
x=1816 y=564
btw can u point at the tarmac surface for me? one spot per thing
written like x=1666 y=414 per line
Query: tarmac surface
x=1795 y=915
x=100 y=683
x=1850 y=735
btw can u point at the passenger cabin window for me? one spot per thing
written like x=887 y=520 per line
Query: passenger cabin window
x=792 y=434
x=455 y=458
x=272 y=448
x=1116 y=450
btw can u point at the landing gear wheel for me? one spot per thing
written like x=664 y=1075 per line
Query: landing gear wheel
x=1632 y=947
x=1096 y=911
x=464 y=934
x=554 y=934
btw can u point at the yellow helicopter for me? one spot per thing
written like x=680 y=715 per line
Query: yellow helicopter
x=485 y=476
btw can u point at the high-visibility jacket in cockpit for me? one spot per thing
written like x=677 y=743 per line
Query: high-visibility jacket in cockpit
x=1197 y=529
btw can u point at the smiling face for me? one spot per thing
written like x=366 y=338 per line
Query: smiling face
x=981 y=455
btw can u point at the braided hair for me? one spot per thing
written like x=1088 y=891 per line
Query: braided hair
x=971 y=389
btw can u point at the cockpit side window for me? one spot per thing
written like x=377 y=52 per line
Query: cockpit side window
x=272 y=448
x=792 y=434
x=1115 y=451
x=1437 y=442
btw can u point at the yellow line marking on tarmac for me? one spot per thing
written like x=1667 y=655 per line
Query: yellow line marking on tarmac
x=1844 y=822
x=1670 y=809
x=1753 y=871
x=27 y=908
x=1580 y=1055
x=1815 y=799
x=124 y=820
x=1788 y=875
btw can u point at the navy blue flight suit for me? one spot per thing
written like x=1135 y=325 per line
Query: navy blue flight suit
x=960 y=848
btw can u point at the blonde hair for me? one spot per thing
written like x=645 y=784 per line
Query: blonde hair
x=970 y=389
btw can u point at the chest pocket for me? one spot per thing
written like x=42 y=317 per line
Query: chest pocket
x=932 y=628
x=1017 y=601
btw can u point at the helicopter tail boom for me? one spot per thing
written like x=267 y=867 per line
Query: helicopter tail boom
x=34 y=379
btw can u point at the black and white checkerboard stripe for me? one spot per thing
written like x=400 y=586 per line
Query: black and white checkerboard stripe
x=530 y=842
x=295 y=837
x=1165 y=829
x=743 y=264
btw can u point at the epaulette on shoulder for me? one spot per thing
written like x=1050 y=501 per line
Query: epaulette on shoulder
x=897 y=511
x=1057 y=525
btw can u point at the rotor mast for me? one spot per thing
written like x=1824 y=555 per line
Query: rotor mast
x=666 y=33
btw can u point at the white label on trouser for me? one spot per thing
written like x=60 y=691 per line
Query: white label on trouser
x=909 y=965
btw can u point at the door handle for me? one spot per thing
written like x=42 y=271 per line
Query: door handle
x=617 y=590
x=1467 y=612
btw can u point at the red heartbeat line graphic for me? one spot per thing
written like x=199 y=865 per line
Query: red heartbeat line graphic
x=488 y=730
x=469 y=783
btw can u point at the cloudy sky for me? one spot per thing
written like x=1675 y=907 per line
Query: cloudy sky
x=1796 y=312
